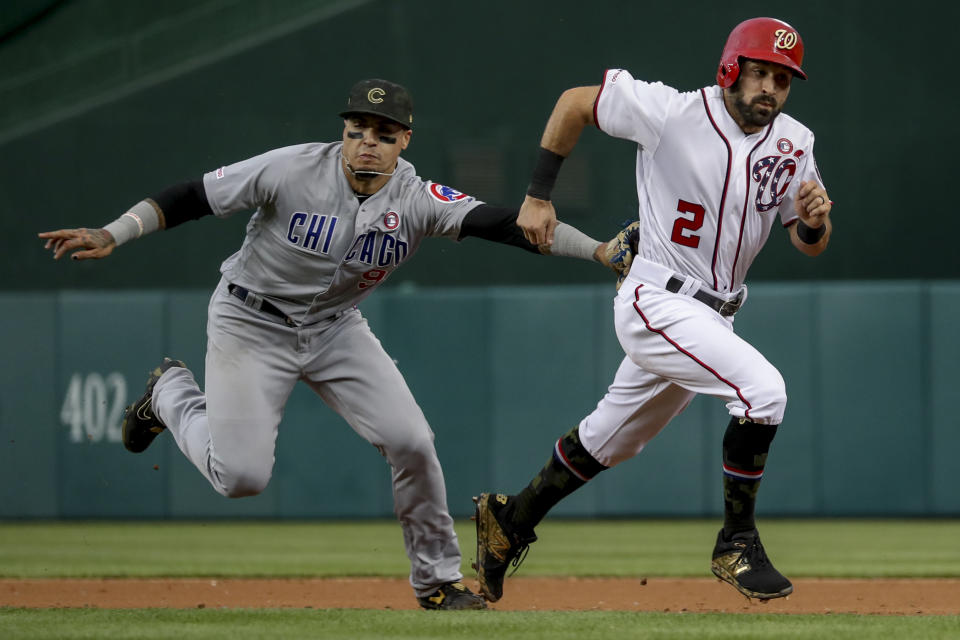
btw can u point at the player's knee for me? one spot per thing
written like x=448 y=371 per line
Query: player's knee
x=245 y=483
x=413 y=452
x=771 y=396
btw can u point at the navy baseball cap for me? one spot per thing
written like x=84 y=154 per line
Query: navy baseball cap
x=381 y=98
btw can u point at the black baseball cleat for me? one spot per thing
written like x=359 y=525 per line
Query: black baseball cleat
x=140 y=425
x=498 y=545
x=452 y=596
x=742 y=562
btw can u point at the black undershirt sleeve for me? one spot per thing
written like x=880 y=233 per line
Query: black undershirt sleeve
x=182 y=202
x=496 y=224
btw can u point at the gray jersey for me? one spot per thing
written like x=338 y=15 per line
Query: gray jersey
x=311 y=247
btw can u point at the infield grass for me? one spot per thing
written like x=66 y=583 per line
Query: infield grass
x=802 y=548
x=676 y=548
x=21 y=624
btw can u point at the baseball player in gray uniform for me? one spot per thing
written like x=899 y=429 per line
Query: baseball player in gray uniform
x=715 y=169
x=332 y=221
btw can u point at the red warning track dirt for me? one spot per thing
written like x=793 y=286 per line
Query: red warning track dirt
x=900 y=597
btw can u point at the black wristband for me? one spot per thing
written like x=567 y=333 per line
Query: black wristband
x=544 y=174
x=810 y=235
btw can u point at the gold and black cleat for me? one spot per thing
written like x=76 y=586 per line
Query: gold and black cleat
x=452 y=596
x=743 y=562
x=140 y=424
x=497 y=545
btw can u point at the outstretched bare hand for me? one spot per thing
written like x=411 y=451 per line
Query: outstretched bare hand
x=94 y=243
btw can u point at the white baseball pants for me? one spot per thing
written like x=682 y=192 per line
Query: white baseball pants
x=675 y=347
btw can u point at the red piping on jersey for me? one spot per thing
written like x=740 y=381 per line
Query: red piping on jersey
x=726 y=183
x=603 y=84
x=662 y=334
x=746 y=199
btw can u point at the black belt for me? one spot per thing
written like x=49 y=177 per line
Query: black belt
x=723 y=307
x=239 y=292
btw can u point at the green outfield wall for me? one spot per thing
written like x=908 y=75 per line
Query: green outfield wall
x=500 y=372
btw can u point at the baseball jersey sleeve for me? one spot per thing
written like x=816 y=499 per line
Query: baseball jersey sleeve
x=248 y=184
x=442 y=209
x=806 y=170
x=632 y=109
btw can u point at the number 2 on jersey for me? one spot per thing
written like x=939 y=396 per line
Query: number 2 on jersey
x=684 y=224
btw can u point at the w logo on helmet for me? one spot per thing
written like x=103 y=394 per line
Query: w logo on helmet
x=766 y=39
x=785 y=39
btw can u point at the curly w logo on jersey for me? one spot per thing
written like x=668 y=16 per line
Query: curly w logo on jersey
x=774 y=177
x=444 y=193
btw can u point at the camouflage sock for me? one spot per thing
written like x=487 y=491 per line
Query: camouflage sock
x=745 y=447
x=568 y=469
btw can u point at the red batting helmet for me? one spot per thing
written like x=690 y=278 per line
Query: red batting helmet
x=760 y=39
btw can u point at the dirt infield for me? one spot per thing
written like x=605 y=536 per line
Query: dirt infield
x=902 y=597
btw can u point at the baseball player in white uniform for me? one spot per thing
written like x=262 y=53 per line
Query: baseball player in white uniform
x=332 y=222
x=715 y=169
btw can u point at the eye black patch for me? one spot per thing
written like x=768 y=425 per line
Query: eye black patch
x=356 y=135
x=388 y=139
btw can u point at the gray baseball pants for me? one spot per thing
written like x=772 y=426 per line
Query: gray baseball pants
x=252 y=363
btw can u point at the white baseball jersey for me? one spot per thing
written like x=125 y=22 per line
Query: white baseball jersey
x=311 y=247
x=708 y=194
x=708 y=191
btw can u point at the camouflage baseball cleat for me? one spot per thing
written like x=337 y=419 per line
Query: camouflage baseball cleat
x=742 y=562
x=497 y=545
x=452 y=596
x=140 y=425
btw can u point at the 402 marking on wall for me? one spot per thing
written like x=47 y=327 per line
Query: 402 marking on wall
x=93 y=406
